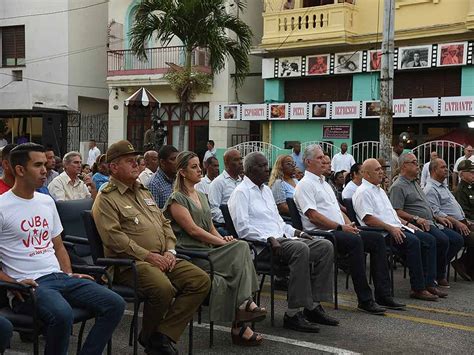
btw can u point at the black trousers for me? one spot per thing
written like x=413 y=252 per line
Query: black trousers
x=353 y=246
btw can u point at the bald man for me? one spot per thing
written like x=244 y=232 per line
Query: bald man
x=222 y=186
x=151 y=163
x=373 y=209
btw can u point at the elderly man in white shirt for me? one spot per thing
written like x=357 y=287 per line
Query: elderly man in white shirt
x=343 y=160
x=319 y=208
x=223 y=185
x=67 y=185
x=373 y=208
x=151 y=163
x=212 y=171
x=255 y=216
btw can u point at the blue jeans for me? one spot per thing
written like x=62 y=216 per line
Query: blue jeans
x=448 y=243
x=420 y=251
x=56 y=294
x=6 y=332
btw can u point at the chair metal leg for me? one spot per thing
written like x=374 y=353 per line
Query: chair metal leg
x=335 y=282
x=392 y=283
x=211 y=334
x=199 y=315
x=79 y=339
x=272 y=299
x=190 y=340
x=132 y=328
x=109 y=347
x=347 y=281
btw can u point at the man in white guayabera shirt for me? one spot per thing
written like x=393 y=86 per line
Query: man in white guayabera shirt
x=32 y=253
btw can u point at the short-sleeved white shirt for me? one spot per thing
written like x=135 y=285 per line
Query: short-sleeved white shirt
x=313 y=192
x=27 y=229
x=342 y=162
x=219 y=192
x=349 y=190
x=372 y=200
x=204 y=185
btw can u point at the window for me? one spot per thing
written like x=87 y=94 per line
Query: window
x=13 y=46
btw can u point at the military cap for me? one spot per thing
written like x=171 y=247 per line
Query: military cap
x=119 y=149
x=466 y=165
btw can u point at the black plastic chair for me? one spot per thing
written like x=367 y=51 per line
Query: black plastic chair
x=31 y=324
x=353 y=217
x=69 y=213
x=265 y=268
x=129 y=294
x=298 y=224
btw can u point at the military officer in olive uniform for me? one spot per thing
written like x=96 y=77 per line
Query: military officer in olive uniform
x=132 y=226
x=465 y=196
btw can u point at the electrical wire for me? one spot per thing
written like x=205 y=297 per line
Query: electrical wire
x=55 y=12
x=56 y=83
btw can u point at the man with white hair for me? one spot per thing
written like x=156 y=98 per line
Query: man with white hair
x=67 y=185
x=319 y=209
x=256 y=218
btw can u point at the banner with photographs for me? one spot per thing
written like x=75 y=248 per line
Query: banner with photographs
x=371 y=109
x=254 y=112
x=348 y=63
x=278 y=111
x=289 y=67
x=298 y=111
x=452 y=54
x=424 y=107
x=319 y=110
x=375 y=60
x=229 y=112
x=317 y=64
x=401 y=108
x=414 y=57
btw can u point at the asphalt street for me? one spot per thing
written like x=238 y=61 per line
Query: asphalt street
x=444 y=327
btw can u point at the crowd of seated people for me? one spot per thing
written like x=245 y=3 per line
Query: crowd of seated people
x=145 y=213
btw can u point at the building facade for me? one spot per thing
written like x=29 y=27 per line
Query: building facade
x=127 y=74
x=53 y=71
x=321 y=70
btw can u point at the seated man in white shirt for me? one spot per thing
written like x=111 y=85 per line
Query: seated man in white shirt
x=255 y=216
x=373 y=208
x=33 y=254
x=67 y=185
x=343 y=160
x=212 y=171
x=151 y=163
x=319 y=209
x=223 y=185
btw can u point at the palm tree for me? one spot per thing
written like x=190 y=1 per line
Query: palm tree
x=197 y=23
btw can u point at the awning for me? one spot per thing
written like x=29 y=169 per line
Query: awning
x=142 y=97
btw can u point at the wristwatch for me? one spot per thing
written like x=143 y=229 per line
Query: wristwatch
x=172 y=251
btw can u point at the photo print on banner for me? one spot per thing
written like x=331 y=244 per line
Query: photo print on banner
x=375 y=60
x=231 y=112
x=319 y=110
x=348 y=63
x=452 y=54
x=278 y=111
x=317 y=64
x=414 y=57
x=289 y=67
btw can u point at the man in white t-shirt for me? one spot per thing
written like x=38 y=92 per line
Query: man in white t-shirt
x=343 y=160
x=211 y=152
x=212 y=171
x=94 y=152
x=467 y=155
x=151 y=163
x=32 y=253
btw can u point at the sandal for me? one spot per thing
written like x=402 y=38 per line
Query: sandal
x=250 y=315
x=238 y=339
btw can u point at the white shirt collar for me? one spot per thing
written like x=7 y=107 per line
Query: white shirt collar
x=314 y=177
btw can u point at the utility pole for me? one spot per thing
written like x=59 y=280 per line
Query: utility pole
x=386 y=82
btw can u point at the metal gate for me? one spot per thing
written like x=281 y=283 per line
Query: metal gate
x=327 y=147
x=447 y=150
x=365 y=150
x=82 y=128
x=270 y=151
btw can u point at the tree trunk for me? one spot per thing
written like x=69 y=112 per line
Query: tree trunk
x=184 y=100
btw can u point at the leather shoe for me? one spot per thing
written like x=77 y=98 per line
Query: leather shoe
x=160 y=343
x=319 y=315
x=389 y=302
x=370 y=307
x=436 y=291
x=460 y=268
x=443 y=283
x=423 y=295
x=299 y=323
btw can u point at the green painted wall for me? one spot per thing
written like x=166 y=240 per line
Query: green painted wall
x=467 y=81
x=365 y=86
x=274 y=90
x=304 y=131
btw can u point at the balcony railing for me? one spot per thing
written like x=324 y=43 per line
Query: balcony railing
x=124 y=62
x=308 y=24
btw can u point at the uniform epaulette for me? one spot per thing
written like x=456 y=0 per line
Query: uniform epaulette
x=109 y=188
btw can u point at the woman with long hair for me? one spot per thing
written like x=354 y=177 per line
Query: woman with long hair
x=234 y=274
x=353 y=181
x=282 y=182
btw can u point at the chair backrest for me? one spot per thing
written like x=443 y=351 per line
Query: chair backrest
x=97 y=248
x=294 y=214
x=229 y=224
x=347 y=202
x=70 y=215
